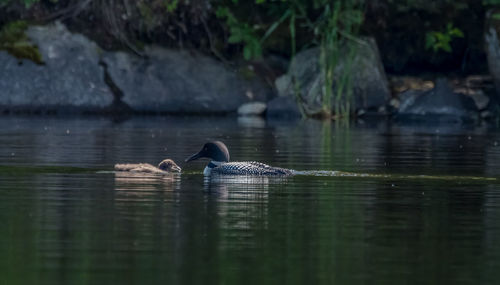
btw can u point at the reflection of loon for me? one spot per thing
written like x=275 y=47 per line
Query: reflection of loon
x=164 y=167
x=217 y=151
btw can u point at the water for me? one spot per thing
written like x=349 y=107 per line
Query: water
x=407 y=204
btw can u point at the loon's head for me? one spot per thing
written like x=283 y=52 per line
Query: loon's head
x=216 y=150
x=169 y=166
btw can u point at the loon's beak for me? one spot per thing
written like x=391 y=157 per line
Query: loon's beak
x=194 y=156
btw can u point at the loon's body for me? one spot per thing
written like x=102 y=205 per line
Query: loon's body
x=220 y=165
x=164 y=167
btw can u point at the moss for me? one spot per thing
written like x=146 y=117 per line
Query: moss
x=14 y=40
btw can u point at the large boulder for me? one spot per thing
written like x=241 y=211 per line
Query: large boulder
x=283 y=107
x=70 y=78
x=440 y=103
x=181 y=81
x=492 y=44
x=370 y=86
x=252 y=109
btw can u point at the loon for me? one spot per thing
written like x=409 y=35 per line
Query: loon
x=164 y=167
x=219 y=164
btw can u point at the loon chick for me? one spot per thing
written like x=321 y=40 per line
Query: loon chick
x=219 y=164
x=164 y=167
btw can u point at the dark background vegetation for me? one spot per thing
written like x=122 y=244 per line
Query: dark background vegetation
x=414 y=36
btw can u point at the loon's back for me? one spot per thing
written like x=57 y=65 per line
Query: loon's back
x=250 y=168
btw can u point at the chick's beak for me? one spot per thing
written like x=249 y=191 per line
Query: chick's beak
x=176 y=168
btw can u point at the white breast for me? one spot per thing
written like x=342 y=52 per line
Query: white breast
x=207 y=171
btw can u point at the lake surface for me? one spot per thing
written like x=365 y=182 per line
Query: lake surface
x=410 y=204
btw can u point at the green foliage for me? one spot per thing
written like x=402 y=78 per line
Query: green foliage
x=491 y=2
x=494 y=16
x=27 y=3
x=241 y=32
x=331 y=25
x=427 y=6
x=337 y=30
x=14 y=40
x=441 y=40
x=13 y=31
x=171 y=5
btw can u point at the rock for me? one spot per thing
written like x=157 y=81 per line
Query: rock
x=251 y=122
x=407 y=99
x=480 y=99
x=70 y=79
x=403 y=83
x=486 y=114
x=438 y=103
x=252 y=109
x=370 y=86
x=282 y=84
x=492 y=44
x=181 y=82
x=283 y=107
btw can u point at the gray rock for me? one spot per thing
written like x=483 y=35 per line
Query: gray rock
x=283 y=107
x=370 y=86
x=71 y=78
x=480 y=99
x=283 y=85
x=251 y=122
x=492 y=44
x=180 y=81
x=440 y=102
x=252 y=109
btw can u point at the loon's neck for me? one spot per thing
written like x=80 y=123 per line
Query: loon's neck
x=210 y=166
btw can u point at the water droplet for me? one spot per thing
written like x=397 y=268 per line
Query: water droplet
x=12 y=153
x=469 y=137
x=67 y=131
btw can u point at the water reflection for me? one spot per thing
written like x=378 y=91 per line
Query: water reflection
x=127 y=180
x=69 y=219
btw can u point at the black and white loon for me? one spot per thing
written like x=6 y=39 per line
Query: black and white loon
x=219 y=164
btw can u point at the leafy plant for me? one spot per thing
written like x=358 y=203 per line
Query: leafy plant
x=171 y=5
x=241 y=32
x=331 y=25
x=491 y=2
x=438 y=40
x=494 y=16
x=27 y=3
x=339 y=28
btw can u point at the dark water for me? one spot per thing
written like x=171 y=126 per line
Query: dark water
x=417 y=217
